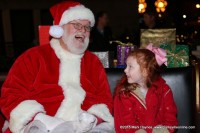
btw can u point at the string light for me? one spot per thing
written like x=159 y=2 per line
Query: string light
x=160 y=5
x=142 y=6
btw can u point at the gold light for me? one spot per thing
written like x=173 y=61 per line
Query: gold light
x=160 y=5
x=197 y=5
x=142 y=6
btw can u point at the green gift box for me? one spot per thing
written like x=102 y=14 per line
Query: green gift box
x=177 y=55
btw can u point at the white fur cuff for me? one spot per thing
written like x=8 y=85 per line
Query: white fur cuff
x=102 y=111
x=23 y=113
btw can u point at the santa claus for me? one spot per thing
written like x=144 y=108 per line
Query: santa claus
x=61 y=84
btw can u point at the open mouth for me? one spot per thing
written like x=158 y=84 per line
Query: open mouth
x=81 y=38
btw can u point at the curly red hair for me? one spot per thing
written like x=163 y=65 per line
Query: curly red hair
x=147 y=61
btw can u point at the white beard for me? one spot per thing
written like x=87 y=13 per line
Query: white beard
x=74 y=45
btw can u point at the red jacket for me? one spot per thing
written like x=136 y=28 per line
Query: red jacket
x=34 y=85
x=132 y=113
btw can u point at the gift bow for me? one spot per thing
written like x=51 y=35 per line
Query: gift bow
x=159 y=53
x=121 y=43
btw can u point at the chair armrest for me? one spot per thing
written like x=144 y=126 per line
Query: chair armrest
x=196 y=64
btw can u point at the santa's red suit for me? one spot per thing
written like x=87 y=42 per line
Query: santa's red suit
x=137 y=112
x=49 y=79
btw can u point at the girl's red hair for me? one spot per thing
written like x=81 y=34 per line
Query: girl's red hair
x=147 y=61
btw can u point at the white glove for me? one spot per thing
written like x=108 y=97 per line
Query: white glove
x=38 y=127
x=49 y=121
x=104 y=127
x=85 y=122
x=35 y=127
x=66 y=127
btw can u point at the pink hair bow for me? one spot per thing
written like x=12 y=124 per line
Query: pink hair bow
x=159 y=53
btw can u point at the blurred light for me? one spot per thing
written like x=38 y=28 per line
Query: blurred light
x=160 y=5
x=142 y=6
x=127 y=37
x=159 y=15
x=197 y=5
x=195 y=32
x=184 y=16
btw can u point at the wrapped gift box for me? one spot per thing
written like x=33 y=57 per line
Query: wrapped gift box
x=122 y=53
x=157 y=37
x=123 y=49
x=177 y=55
x=106 y=58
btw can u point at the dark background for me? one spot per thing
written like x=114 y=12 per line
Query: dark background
x=19 y=21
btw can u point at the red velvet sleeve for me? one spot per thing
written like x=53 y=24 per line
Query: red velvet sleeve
x=98 y=99
x=125 y=122
x=170 y=110
x=103 y=92
x=18 y=84
x=95 y=83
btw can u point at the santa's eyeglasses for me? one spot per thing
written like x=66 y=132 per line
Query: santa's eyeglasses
x=79 y=26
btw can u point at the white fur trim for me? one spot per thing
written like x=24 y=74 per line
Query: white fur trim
x=56 y=31
x=71 y=105
x=69 y=80
x=5 y=126
x=102 y=111
x=75 y=13
x=22 y=114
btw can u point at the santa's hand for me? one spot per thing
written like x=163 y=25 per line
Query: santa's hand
x=85 y=122
x=49 y=121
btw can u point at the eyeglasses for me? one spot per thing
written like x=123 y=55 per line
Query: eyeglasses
x=79 y=26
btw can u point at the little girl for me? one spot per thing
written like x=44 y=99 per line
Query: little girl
x=143 y=101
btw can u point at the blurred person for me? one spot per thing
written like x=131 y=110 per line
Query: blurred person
x=101 y=34
x=150 y=20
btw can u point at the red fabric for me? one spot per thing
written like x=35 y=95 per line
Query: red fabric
x=99 y=120
x=58 y=9
x=34 y=76
x=161 y=109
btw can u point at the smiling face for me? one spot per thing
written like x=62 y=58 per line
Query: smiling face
x=75 y=40
x=133 y=71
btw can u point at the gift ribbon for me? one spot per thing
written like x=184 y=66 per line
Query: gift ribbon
x=121 y=43
x=177 y=57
